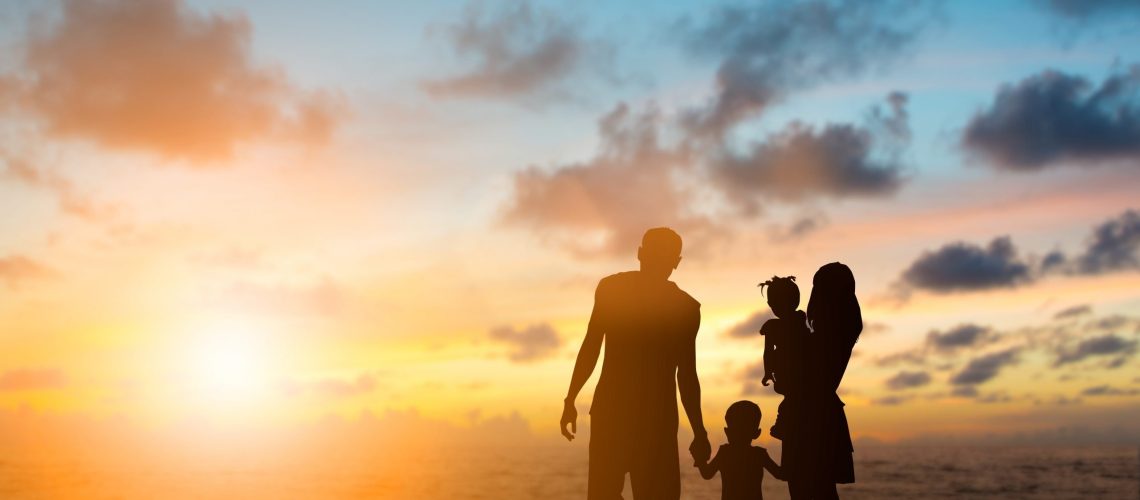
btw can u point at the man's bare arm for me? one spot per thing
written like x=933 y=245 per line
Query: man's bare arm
x=690 y=388
x=583 y=367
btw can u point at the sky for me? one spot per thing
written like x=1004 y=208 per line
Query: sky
x=285 y=212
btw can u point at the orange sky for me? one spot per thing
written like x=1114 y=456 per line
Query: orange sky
x=209 y=220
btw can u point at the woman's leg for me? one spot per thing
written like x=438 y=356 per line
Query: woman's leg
x=799 y=490
x=825 y=491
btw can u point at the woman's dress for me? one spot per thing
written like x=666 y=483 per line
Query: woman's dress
x=818 y=444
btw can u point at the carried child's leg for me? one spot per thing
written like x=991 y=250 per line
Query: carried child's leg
x=778 y=428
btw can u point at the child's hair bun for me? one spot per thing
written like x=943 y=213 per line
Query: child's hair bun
x=775 y=280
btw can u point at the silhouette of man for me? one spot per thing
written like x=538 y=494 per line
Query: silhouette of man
x=649 y=326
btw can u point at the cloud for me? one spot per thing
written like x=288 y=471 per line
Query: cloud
x=159 y=77
x=984 y=368
x=839 y=160
x=964 y=335
x=752 y=375
x=770 y=49
x=16 y=270
x=1104 y=345
x=322 y=298
x=69 y=198
x=907 y=380
x=32 y=379
x=1080 y=9
x=334 y=387
x=1053 y=118
x=1107 y=390
x=964 y=266
x=892 y=400
x=517 y=51
x=1113 y=245
x=533 y=343
x=1073 y=312
x=750 y=327
x=602 y=207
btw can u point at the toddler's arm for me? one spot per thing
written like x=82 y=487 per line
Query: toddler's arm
x=709 y=469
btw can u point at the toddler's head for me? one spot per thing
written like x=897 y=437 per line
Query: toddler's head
x=783 y=295
x=742 y=422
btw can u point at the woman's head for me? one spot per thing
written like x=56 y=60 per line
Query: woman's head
x=833 y=304
x=783 y=295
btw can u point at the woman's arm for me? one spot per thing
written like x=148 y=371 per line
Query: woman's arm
x=773 y=468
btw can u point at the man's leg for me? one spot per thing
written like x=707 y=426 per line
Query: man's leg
x=656 y=473
x=608 y=461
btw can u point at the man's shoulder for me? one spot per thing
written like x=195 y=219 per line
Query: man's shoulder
x=616 y=281
x=685 y=298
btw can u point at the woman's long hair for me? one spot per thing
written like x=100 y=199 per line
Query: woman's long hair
x=833 y=304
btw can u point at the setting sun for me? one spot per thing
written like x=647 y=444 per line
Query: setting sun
x=230 y=363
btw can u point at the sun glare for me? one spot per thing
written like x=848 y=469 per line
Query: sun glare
x=231 y=364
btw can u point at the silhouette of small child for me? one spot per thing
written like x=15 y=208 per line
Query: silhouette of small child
x=784 y=337
x=740 y=464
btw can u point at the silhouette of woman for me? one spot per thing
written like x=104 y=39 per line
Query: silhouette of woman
x=817 y=452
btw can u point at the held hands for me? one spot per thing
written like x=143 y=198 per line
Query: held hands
x=569 y=416
x=700 y=449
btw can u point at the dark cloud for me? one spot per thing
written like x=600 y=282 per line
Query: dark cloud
x=1104 y=345
x=32 y=379
x=964 y=266
x=1080 y=9
x=518 y=50
x=1107 y=390
x=179 y=83
x=907 y=380
x=1054 y=118
x=912 y=356
x=800 y=162
x=602 y=207
x=750 y=328
x=1113 y=246
x=964 y=391
x=532 y=343
x=772 y=48
x=16 y=270
x=892 y=400
x=964 y=335
x=1073 y=312
x=984 y=368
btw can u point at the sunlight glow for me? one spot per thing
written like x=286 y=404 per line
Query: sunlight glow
x=231 y=364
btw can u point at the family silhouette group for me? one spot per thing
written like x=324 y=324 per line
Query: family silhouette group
x=649 y=326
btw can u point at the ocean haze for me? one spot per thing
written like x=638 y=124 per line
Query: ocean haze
x=559 y=472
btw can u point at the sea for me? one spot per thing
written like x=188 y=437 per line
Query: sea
x=559 y=472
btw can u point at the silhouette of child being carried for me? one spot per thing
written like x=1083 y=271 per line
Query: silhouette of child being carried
x=740 y=464
x=784 y=338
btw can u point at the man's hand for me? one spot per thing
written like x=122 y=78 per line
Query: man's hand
x=569 y=416
x=700 y=448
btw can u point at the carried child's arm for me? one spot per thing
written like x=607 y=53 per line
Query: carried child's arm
x=769 y=346
x=774 y=468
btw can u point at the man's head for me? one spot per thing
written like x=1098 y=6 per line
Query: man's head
x=660 y=252
x=743 y=422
